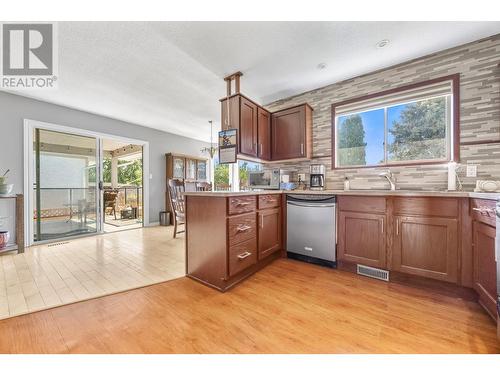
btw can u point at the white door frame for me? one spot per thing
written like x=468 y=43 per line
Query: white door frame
x=30 y=125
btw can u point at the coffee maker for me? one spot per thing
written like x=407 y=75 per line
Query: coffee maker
x=317 y=177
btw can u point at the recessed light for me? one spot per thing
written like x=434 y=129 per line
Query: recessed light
x=321 y=66
x=383 y=43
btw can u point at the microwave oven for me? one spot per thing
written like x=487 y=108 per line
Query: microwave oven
x=269 y=179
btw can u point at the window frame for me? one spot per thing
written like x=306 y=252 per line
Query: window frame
x=453 y=151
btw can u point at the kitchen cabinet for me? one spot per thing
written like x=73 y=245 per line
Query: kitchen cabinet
x=291 y=133
x=263 y=134
x=248 y=127
x=230 y=238
x=484 y=264
x=362 y=238
x=269 y=221
x=282 y=135
x=426 y=246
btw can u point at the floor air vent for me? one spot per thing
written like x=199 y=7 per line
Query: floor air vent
x=57 y=244
x=373 y=272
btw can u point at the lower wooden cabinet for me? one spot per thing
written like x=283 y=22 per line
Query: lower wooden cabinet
x=426 y=246
x=269 y=231
x=362 y=238
x=228 y=238
x=485 y=281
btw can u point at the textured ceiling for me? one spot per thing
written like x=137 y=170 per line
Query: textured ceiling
x=168 y=75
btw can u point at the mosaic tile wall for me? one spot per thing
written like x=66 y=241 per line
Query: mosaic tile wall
x=478 y=65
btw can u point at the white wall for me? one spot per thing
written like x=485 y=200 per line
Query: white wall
x=14 y=108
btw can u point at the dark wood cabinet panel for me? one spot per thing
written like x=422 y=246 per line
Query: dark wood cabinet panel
x=242 y=256
x=269 y=232
x=362 y=204
x=426 y=246
x=230 y=113
x=362 y=238
x=263 y=134
x=248 y=127
x=483 y=210
x=241 y=228
x=288 y=134
x=239 y=205
x=485 y=278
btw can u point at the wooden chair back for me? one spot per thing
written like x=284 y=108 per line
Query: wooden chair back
x=176 y=192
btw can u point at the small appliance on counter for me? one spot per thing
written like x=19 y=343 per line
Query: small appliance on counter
x=267 y=180
x=317 y=177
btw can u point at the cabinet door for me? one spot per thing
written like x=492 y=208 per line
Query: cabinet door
x=362 y=238
x=248 y=128
x=485 y=273
x=178 y=167
x=288 y=132
x=264 y=134
x=190 y=169
x=201 y=170
x=426 y=246
x=269 y=231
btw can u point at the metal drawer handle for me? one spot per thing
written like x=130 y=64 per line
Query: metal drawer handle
x=244 y=255
x=242 y=203
x=484 y=210
x=243 y=228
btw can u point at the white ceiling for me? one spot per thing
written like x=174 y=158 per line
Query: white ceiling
x=168 y=75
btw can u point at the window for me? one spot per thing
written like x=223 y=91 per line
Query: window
x=409 y=125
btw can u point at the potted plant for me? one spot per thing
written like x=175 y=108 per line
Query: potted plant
x=4 y=187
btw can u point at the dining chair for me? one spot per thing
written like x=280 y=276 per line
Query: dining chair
x=176 y=192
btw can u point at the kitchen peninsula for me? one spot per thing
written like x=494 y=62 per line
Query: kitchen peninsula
x=434 y=238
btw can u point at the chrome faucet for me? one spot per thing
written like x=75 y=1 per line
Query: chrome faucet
x=390 y=177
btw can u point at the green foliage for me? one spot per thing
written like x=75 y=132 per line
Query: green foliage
x=351 y=143
x=221 y=174
x=130 y=174
x=420 y=133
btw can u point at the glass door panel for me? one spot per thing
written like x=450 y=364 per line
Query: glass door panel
x=65 y=185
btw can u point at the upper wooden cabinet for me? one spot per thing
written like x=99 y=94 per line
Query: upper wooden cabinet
x=291 y=133
x=263 y=134
x=248 y=127
x=282 y=135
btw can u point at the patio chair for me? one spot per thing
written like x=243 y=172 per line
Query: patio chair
x=110 y=197
x=203 y=186
x=176 y=192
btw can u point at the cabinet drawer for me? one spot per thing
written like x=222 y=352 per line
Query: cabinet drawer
x=483 y=210
x=362 y=204
x=425 y=206
x=239 y=205
x=242 y=256
x=269 y=201
x=241 y=228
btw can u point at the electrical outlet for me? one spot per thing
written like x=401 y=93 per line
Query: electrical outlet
x=471 y=171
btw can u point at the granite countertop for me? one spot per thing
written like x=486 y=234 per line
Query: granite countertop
x=408 y=193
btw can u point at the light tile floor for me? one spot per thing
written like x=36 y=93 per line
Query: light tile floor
x=47 y=276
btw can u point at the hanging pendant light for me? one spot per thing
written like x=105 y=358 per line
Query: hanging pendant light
x=213 y=147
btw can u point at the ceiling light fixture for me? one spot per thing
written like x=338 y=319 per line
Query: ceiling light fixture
x=321 y=66
x=383 y=43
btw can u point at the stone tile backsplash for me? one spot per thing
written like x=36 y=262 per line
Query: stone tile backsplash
x=478 y=65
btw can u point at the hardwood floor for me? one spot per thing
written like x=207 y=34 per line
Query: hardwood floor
x=289 y=307
x=46 y=276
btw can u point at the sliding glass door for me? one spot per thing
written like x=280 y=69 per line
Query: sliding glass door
x=65 y=189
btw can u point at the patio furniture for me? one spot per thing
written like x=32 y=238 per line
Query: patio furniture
x=176 y=193
x=110 y=201
x=203 y=186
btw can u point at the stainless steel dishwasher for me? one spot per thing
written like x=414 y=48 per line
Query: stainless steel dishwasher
x=311 y=228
